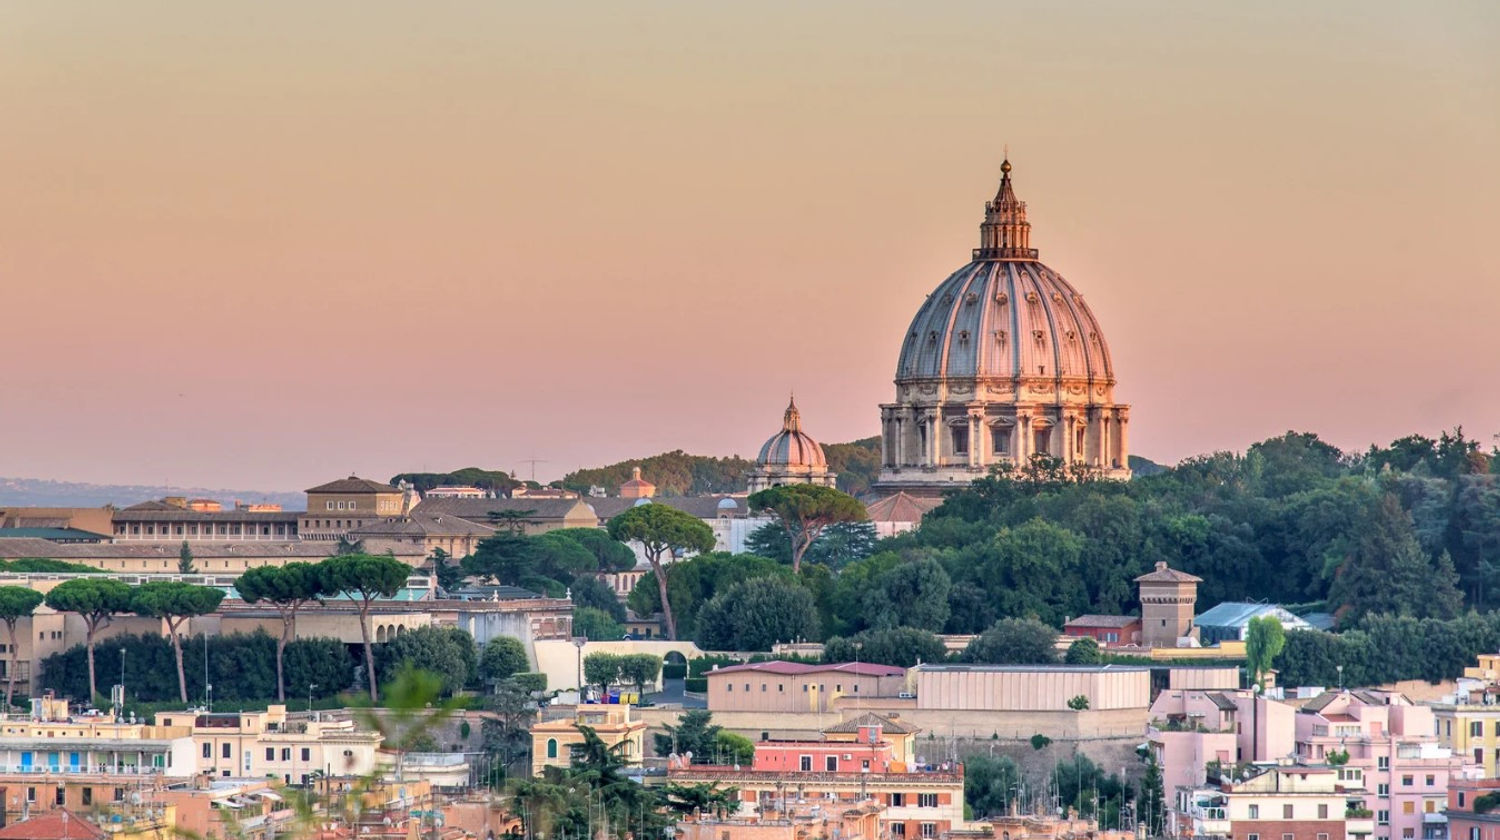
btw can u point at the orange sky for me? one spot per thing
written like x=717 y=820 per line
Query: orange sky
x=264 y=244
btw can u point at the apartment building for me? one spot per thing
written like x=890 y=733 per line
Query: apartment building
x=1393 y=742
x=1272 y=802
x=1468 y=720
x=1191 y=729
x=52 y=758
x=919 y=800
x=1472 y=809
x=552 y=741
x=269 y=744
x=798 y=687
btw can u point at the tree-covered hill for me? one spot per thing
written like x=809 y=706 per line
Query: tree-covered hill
x=680 y=474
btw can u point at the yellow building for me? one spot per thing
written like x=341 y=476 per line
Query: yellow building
x=267 y=744
x=1468 y=720
x=551 y=741
x=338 y=507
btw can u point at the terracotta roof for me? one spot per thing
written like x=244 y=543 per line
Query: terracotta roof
x=1164 y=574
x=478 y=510
x=58 y=824
x=777 y=666
x=202 y=550
x=1102 y=621
x=901 y=507
x=420 y=524
x=871 y=719
x=135 y=513
x=353 y=484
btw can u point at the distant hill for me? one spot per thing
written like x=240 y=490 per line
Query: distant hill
x=680 y=474
x=674 y=474
x=1142 y=467
x=37 y=492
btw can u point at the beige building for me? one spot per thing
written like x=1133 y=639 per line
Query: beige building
x=94 y=520
x=1027 y=688
x=209 y=558
x=427 y=532
x=533 y=516
x=171 y=523
x=778 y=686
x=1003 y=361
x=268 y=744
x=551 y=741
x=1167 y=601
x=338 y=507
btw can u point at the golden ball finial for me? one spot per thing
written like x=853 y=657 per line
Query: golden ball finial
x=1005 y=167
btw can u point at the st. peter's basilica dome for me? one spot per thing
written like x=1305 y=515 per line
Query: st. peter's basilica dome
x=1003 y=361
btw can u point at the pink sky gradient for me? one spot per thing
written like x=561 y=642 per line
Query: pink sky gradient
x=266 y=244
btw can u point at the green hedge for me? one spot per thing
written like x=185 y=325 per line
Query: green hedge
x=673 y=670
x=699 y=684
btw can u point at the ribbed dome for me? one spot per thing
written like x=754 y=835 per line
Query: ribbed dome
x=1005 y=315
x=1002 y=363
x=791 y=446
x=1004 y=319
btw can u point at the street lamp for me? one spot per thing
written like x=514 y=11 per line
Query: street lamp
x=310 y=687
x=579 y=642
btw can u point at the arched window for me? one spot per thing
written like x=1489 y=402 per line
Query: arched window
x=552 y=748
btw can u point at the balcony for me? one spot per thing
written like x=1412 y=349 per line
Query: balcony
x=1359 y=826
x=79 y=770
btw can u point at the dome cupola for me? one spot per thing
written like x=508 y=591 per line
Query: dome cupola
x=1003 y=361
x=790 y=456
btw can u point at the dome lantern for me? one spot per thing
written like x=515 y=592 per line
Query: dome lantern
x=1005 y=234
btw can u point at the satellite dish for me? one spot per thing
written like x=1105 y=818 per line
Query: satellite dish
x=135 y=799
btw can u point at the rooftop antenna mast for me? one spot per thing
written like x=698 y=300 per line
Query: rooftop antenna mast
x=533 y=461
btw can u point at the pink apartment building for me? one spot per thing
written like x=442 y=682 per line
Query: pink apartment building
x=1394 y=743
x=1192 y=728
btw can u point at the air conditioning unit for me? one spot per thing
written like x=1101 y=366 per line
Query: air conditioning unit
x=848 y=757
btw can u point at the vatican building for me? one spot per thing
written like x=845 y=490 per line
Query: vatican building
x=1003 y=361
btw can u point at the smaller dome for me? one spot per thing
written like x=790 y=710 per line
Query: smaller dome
x=791 y=446
x=728 y=504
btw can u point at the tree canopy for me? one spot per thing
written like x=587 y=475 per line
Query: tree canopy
x=663 y=532
x=804 y=511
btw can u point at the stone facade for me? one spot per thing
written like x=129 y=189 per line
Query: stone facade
x=1003 y=361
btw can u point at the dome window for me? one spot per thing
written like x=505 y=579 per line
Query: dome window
x=971 y=298
x=947 y=298
x=1057 y=297
x=932 y=337
x=1031 y=297
x=1000 y=336
x=1002 y=298
x=1037 y=334
x=963 y=336
x=1072 y=336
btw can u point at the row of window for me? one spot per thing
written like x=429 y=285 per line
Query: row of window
x=61 y=795
x=781 y=687
x=223 y=529
x=1321 y=836
x=928 y=829
x=1287 y=811
x=226 y=751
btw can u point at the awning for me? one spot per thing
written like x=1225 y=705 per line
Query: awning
x=267 y=794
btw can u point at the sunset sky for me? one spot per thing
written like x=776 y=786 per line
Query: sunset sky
x=266 y=244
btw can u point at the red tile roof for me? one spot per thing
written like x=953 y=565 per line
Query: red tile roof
x=60 y=824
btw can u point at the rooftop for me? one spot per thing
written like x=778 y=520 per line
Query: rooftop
x=353 y=484
x=1102 y=621
x=778 y=666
